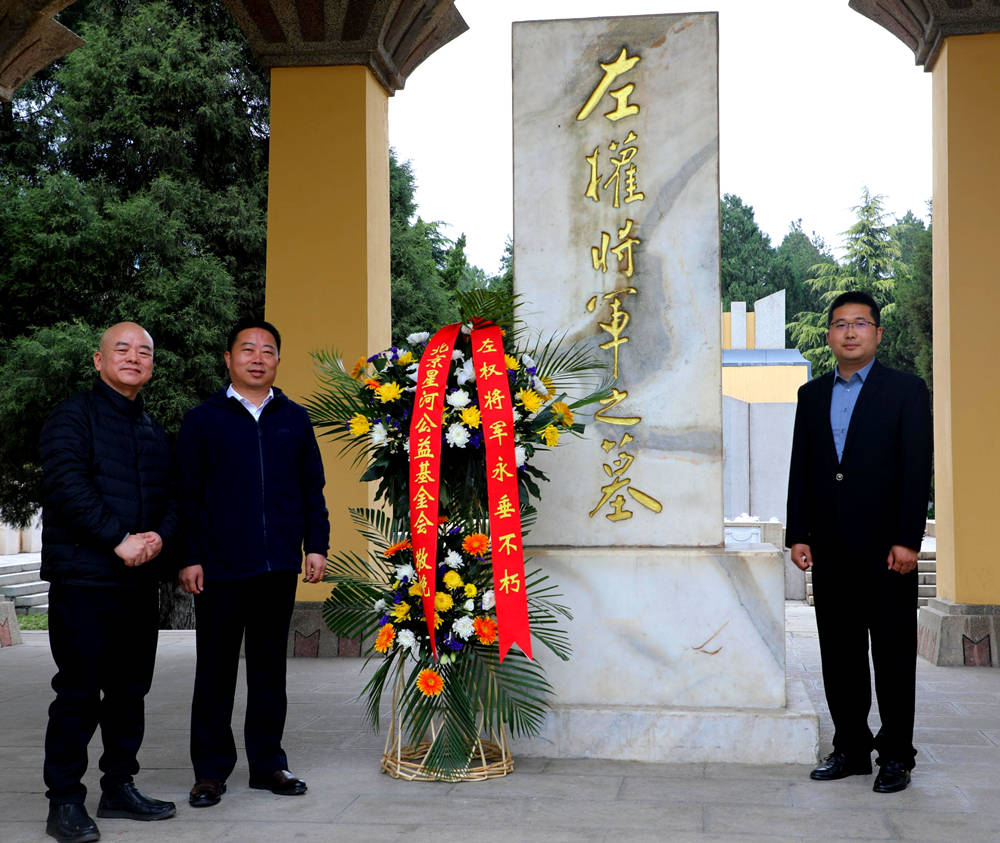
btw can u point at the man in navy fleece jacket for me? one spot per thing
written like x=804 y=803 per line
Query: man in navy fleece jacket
x=253 y=501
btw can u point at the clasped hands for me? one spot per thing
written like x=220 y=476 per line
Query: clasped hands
x=901 y=559
x=138 y=548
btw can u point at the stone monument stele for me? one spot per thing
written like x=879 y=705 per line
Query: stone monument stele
x=679 y=651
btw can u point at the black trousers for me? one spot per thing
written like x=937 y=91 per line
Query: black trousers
x=103 y=642
x=857 y=599
x=259 y=610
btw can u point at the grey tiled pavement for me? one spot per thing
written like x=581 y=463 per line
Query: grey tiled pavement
x=955 y=793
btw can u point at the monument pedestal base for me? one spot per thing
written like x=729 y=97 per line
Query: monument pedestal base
x=959 y=633
x=678 y=655
x=787 y=735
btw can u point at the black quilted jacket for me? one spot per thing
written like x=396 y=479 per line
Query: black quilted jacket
x=106 y=472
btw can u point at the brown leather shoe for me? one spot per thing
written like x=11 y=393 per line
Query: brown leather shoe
x=281 y=782
x=206 y=792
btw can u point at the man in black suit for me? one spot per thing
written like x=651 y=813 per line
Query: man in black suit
x=857 y=504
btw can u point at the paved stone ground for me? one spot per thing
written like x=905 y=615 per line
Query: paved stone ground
x=955 y=793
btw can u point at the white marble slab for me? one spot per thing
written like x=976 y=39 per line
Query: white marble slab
x=670 y=365
x=669 y=627
x=738 y=324
x=787 y=735
x=769 y=321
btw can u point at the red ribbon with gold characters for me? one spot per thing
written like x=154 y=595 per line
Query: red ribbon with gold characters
x=497 y=415
x=425 y=463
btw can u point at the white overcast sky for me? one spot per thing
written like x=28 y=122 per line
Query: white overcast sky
x=815 y=100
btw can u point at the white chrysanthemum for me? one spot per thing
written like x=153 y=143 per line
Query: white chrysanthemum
x=419 y=338
x=458 y=399
x=458 y=354
x=463 y=628
x=517 y=416
x=539 y=385
x=379 y=434
x=380 y=605
x=457 y=436
x=488 y=600
x=406 y=640
x=469 y=605
x=405 y=572
x=453 y=560
x=412 y=371
x=527 y=362
x=520 y=455
x=467 y=328
x=406 y=446
x=467 y=374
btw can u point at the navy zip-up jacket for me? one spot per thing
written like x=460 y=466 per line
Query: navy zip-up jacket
x=252 y=490
x=106 y=472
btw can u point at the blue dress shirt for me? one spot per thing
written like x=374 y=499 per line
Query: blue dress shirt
x=845 y=396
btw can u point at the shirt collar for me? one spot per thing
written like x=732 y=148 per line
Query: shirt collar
x=862 y=374
x=246 y=402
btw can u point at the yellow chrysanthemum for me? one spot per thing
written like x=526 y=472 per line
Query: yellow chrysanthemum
x=452 y=580
x=401 y=611
x=512 y=364
x=388 y=392
x=550 y=385
x=443 y=601
x=359 y=369
x=470 y=590
x=360 y=425
x=471 y=417
x=430 y=683
x=405 y=359
x=530 y=400
x=416 y=590
x=386 y=635
x=437 y=621
x=551 y=435
x=563 y=413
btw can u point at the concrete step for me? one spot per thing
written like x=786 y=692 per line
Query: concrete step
x=926 y=565
x=927 y=591
x=16 y=562
x=37 y=599
x=17 y=578
x=35 y=586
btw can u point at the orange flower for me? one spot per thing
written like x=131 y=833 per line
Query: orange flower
x=485 y=629
x=358 y=369
x=393 y=549
x=371 y=383
x=386 y=635
x=430 y=683
x=475 y=544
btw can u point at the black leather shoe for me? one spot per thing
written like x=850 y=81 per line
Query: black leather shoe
x=127 y=802
x=206 y=793
x=281 y=782
x=71 y=823
x=892 y=777
x=838 y=766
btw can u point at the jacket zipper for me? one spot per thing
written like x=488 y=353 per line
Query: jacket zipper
x=263 y=501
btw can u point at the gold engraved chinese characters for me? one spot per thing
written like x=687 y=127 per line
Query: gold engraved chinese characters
x=616 y=179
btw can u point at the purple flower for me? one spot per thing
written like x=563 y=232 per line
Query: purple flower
x=384 y=620
x=452 y=643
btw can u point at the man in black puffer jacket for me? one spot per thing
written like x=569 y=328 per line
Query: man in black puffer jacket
x=253 y=503
x=108 y=511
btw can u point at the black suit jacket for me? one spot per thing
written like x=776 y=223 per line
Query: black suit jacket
x=877 y=495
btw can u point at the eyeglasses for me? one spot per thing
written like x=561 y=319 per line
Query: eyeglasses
x=857 y=325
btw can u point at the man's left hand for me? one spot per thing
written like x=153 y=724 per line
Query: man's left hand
x=315 y=567
x=902 y=559
x=154 y=544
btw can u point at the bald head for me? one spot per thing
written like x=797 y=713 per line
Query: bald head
x=125 y=358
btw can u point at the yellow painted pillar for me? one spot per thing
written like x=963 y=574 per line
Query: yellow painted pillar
x=328 y=244
x=962 y=626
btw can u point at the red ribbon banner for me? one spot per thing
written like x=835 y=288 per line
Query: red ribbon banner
x=425 y=463
x=497 y=414
x=497 y=419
